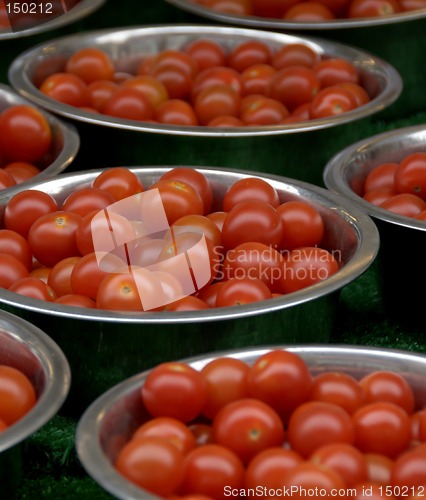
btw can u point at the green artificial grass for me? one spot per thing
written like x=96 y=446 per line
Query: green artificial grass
x=51 y=469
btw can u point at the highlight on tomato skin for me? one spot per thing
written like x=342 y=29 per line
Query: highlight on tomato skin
x=246 y=441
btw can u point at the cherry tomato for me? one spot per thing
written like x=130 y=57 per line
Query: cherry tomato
x=152 y=463
x=383 y=428
x=189 y=303
x=176 y=390
x=66 y=88
x=11 y=270
x=33 y=288
x=226 y=382
x=25 y=134
x=99 y=92
x=84 y=200
x=201 y=225
x=309 y=12
x=209 y=293
x=314 y=424
x=218 y=75
x=76 y=300
x=90 y=64
x=211 y=470
x=252 y=221
x=206 y=53
x=173 y=58
x=60 y=276
x=178 y=198
x=281 y=379
x=248 y=53
x=254 y=260
x=379 y=468
x=336 y=70
x=406 y=204
x=226 y=121
x=302 y=225
x=381 y=177
x=248 y=189
x=214 y=101
x=255 y=79
x=361 y=95
x=372 y=8
x=267 y=468
x=6 y=180
x=24 y=208
x=175 y=431
x=332 y=101
x=293 y=86
x=177 y=80
x=409 y=469
x=237 y=291
x=338 y=388
x=155 y=91
x=119 y=182
x=264 y=111
x=388 y=386
x=309 y=476
x=343 y=458
x=305 y=266
x=176 y=112
x=52 y=237
x=247 y=426
x=12 y=243
x=379 y=196
x=295 y=54
x=410 y=175
x=21 y=171
x=129 y=103
x=17 y=394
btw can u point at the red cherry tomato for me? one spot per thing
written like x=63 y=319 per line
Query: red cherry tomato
x=11 y=270
x=336 y=70
x=381 y=177
x=129 y=103
x=12 y=243
x=206 y=53
x=33 y=288
x=295 y=54
x=406 y=204
x=176 y=390
x=214 y=101
x=309 y=12
x=410 y=175
x=248 y=53
x=238 y=291
x=176 y=112
x=17 y=394
x=66 y=88
x=119 y=182
x=90 y=64
x=332 y=101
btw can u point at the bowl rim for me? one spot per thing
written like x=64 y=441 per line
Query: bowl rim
x=83 y=9
x=362 y=224
x=277 y=24
x=333 y=174
x=71 y=139
x=18 y=77
x=88 y=444
x=58 y=378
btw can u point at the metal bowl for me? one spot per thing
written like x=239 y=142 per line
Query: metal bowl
x=285 y=25
x=81 y=10
x=402 y=239
x=66 y=141
x=95 y=339
x=111 y=420
x=256 y=147
x=25 y=347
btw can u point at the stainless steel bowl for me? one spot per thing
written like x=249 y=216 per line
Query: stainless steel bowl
x=81 y=10
x=111 y=420
x=402 y=239
x=66 y=140
x=98 y=338
x=25 y=347
x=278 y=149
x=285 y=25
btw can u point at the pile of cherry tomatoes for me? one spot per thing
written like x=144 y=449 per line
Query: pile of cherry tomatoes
x=17 y=396
x=25 y=144
x=313 y=10
x=204 y=83
x=237 y=430
x=255 y=247
x=399 y=187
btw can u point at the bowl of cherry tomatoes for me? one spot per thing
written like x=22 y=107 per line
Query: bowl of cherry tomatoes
x=325 y=424
x=33 y=142
x=385 y=176
x=217 y=95
x=313 y=15
x=21 y=19
x=98 y=277
x=34 y=383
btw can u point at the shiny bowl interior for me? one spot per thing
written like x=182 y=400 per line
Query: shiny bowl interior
x=286 y=25
x=81 y=10
x=129 y=46
x=347 y=230
x=349 y=168
x=110 y=421
x=66 y=140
